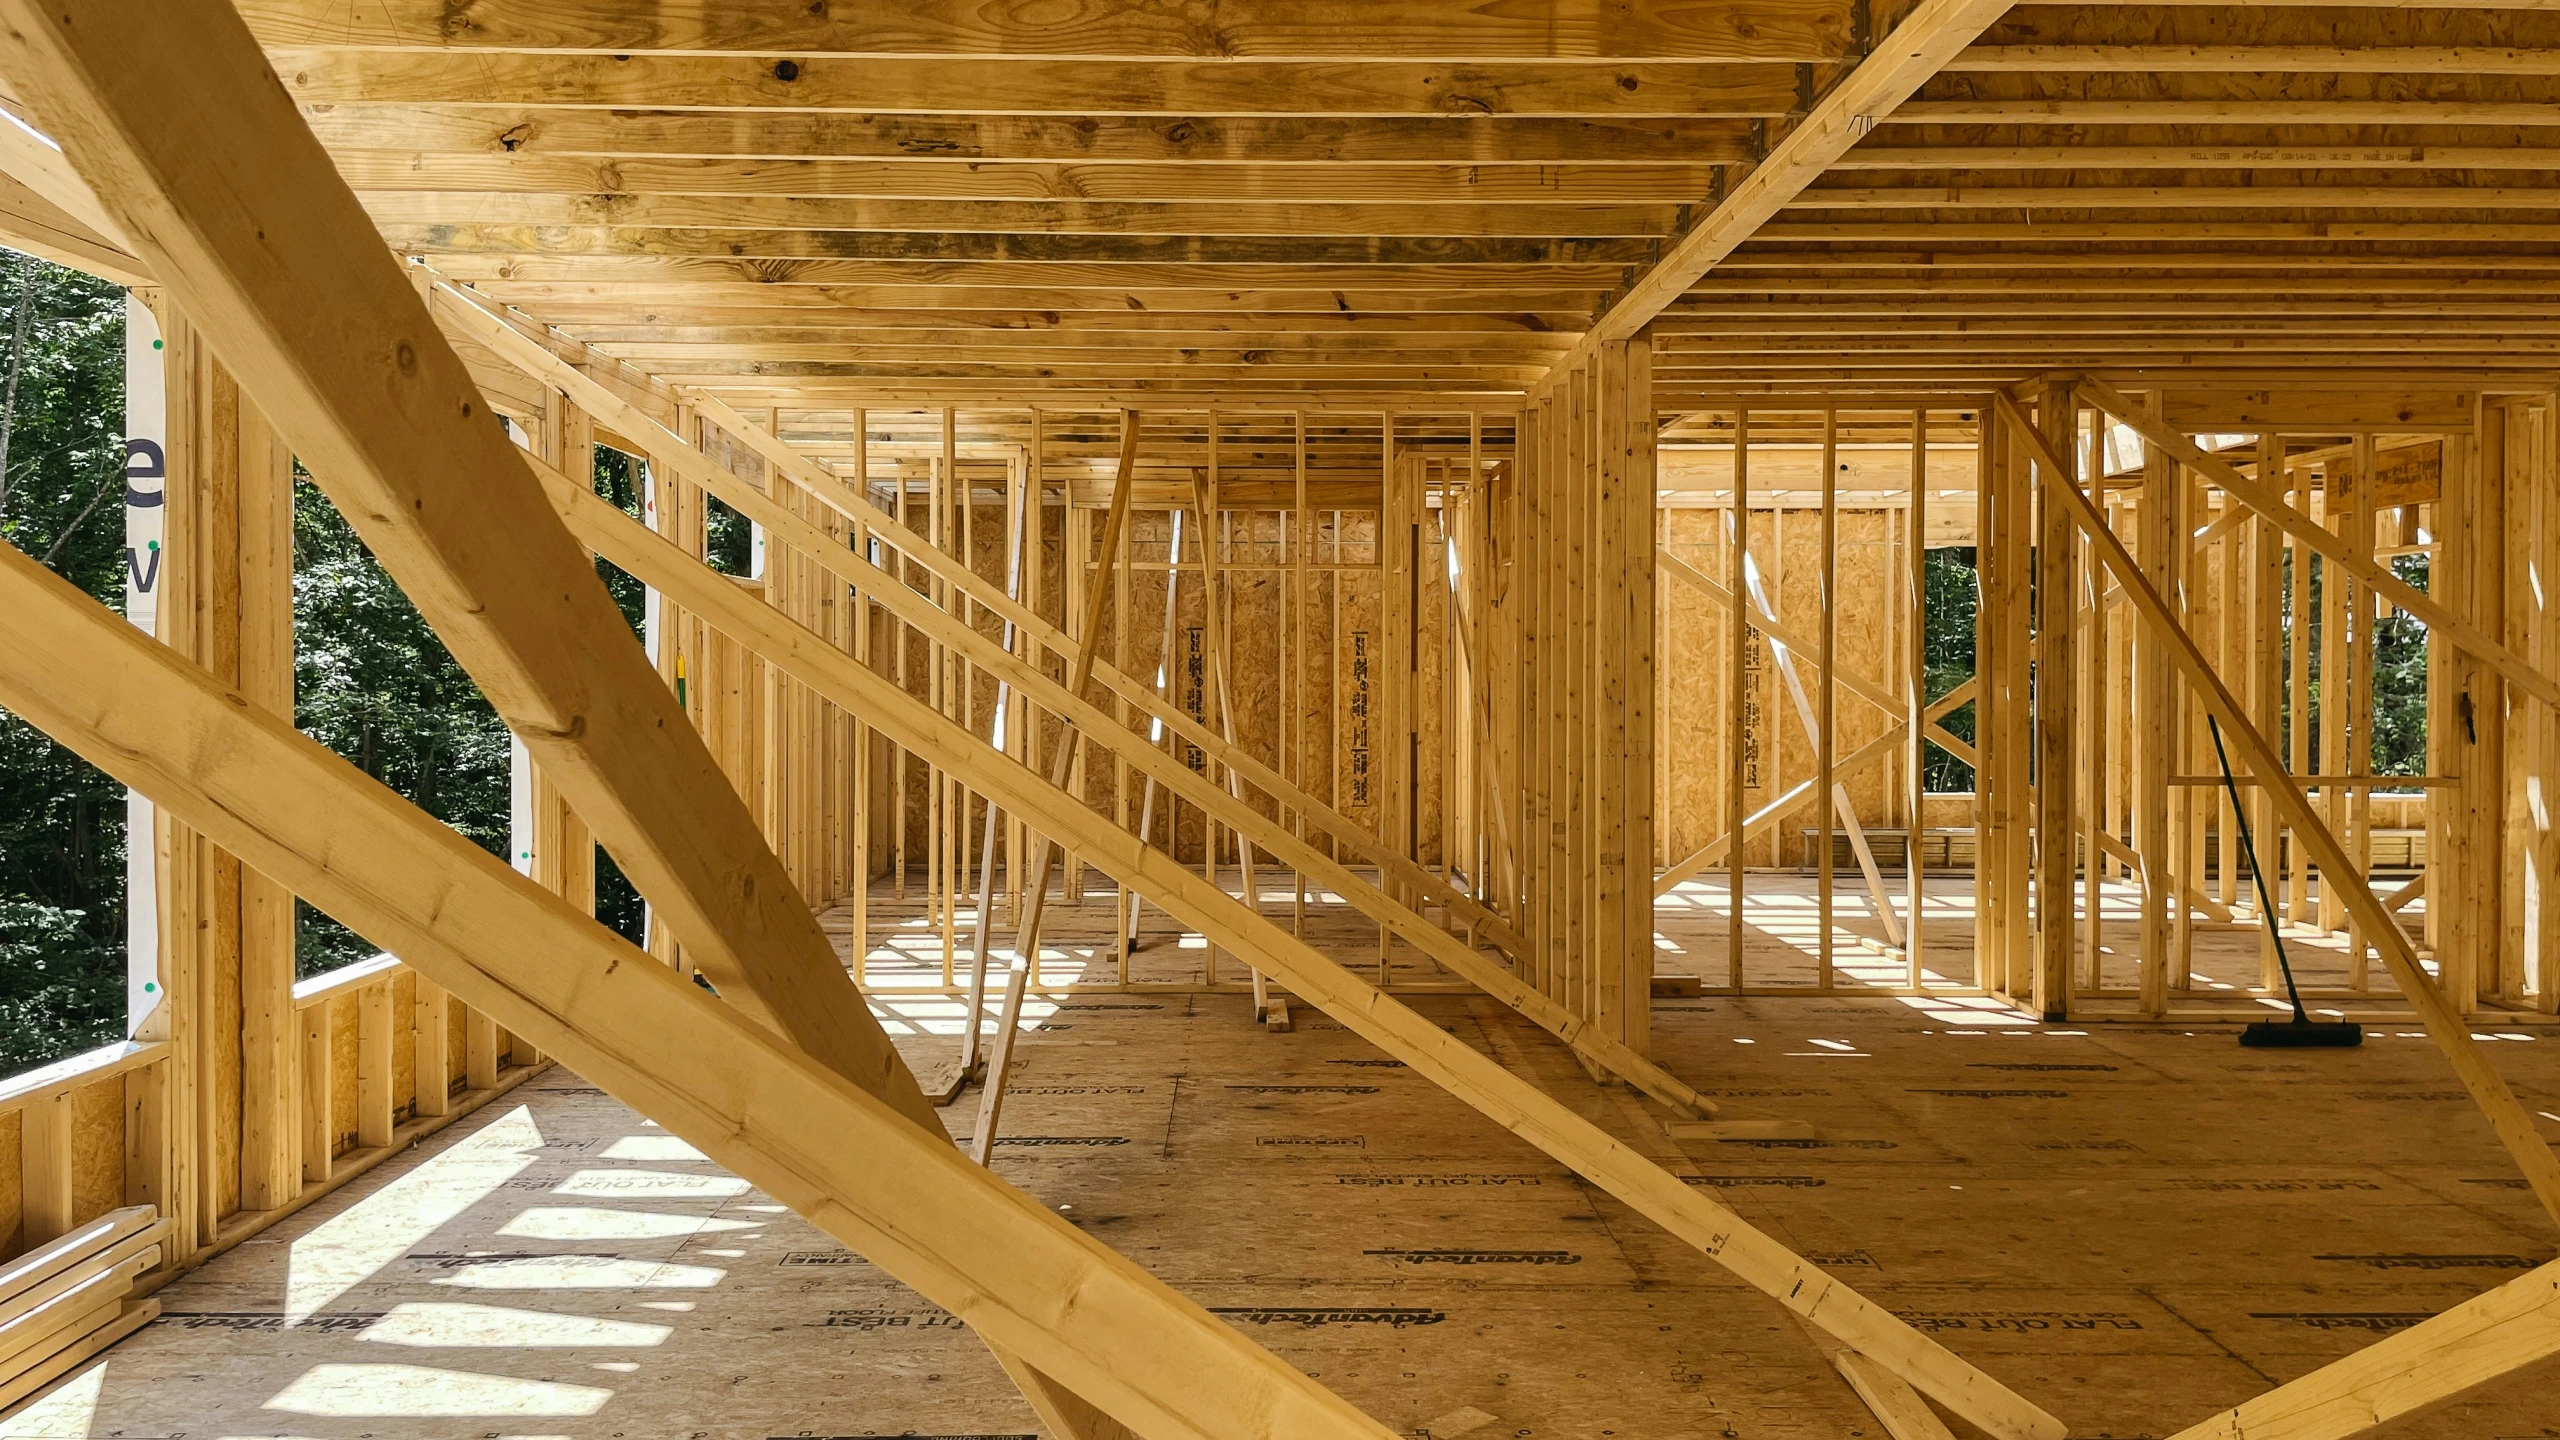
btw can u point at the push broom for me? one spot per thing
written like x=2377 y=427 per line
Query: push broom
x=2301 y=1032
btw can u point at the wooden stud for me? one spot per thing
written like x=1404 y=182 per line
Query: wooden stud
x=999 y=1063
x=2056 y=726
x=1741 y=706
x=1826 y=712
x=412 y=465
x=1915 y=672
x=46 y=1169
x=375 y=1104
x=2514 y=1126
x=431 y=1033
x=481 y=1052
x=2093 y=704
x=317 y=1089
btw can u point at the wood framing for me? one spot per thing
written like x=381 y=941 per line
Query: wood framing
x=745 y=1096
x=1458 y=515
x=1933 y=33
x=2419 y=1369
x=1325 y=983
x=2513 y=1124
x=409 y=466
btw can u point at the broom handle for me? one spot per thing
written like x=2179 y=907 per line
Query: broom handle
x=2266 y=902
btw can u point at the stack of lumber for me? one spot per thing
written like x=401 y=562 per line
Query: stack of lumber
x=65 y=1301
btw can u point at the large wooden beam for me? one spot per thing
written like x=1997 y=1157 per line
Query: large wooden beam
x=2278 y=115
x=2178 y=197
x=2428 y=1365
x=782 y=134
x=2196 y=157
x=410 y=210
x=1114 y=249
x=170 y=114
x=2256 y=59
x=1232 y=30
x=48 y=210
x=1434 y=1053
x=1933 y=33
x=485 y=171
x=834 y=1152
x=2513 y=1124
x=1117 y=88
x=34 y=224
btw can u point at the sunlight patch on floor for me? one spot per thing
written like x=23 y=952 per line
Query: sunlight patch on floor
x=63 y=1415
x=416 y=1391
x=350 y=1246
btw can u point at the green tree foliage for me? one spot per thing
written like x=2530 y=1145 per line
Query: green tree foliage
x=728 y=539
x=373 y=683
x=2399 y=672
x=618 y=479
x=2399 y=665
x=2400 y=683
x=61 y=821
x=1949 y=602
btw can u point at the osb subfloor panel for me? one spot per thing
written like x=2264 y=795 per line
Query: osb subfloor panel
x=2133 y=1225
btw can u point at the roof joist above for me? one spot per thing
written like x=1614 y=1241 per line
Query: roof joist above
x=2342 y=191
x=1333 y=201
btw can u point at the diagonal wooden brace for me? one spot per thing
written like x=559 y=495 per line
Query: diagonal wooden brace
x=1368 y=1011
x=615 y=535
x=173 y=117
x=1053 y=1299
x=919 y=611
x=2513 y=1124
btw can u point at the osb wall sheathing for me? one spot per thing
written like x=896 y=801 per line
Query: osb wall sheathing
x=1359 y=671
x=1319 y=722
x=1695 y=665
x=97 y=1149
x=97 y=1160
x=344 y=1024
x=1260 y=645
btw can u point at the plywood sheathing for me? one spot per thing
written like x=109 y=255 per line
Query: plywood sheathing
x=1431 y=1263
